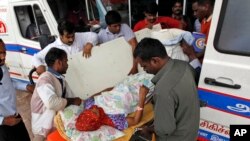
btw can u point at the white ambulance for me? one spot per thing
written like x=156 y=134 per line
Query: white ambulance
x=225 y=76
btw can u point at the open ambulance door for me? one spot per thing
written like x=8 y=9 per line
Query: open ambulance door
x=225 y=77
x=28 y=24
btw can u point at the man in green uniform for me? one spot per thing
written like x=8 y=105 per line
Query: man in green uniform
x=176 y=104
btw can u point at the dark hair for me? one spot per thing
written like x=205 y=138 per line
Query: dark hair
x=177 y=1
x=203 y=2
x=67 y=26
x=151 y=8
x=148 y=48
x=53 y=55
x=1 y=41
x=113 y=17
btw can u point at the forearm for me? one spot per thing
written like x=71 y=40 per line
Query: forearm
x=139 y=110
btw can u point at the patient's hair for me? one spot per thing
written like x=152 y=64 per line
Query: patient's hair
x=148 y=48
x=53 y=55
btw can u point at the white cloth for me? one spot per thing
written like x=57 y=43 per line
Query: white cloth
x=197 y=25
x=46 y=101
x=125 y=31
x=81 y=39
x=171 y=38
x=185 y=35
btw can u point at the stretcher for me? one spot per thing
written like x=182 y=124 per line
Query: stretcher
x=59 y=133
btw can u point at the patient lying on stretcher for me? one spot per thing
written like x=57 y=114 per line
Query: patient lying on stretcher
x=112 y=107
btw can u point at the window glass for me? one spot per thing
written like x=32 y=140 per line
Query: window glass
x=232 y=34
x=31 y=22
x=119 y=5
x=75 y=11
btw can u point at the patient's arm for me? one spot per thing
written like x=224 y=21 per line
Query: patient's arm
x=139 y=112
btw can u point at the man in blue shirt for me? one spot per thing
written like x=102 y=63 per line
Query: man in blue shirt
x=12 y=127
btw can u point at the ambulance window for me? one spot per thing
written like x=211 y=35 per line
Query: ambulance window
x=29 y=18
x=232 y=35
x=74 y=11
x=119 y=5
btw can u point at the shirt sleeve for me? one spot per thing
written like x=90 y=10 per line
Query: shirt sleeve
x=164 y=115
x=47 y=93
x=100 y=36
x=195 y=63
x=39 y=58
x=19 y=85
x=172 y=23
x=128 y=33
x=89 y=37
x=138 y=26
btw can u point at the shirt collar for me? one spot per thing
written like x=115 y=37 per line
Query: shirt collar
x=107 y=31
x=165 y=69
x=60 y=43
x=56 y=74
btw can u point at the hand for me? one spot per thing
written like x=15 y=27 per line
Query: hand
x=147 y=132
x=30 y=88
x=11 y=120
x=188 y=50
x=77 y=101
x=40 y=69
x=87 y=50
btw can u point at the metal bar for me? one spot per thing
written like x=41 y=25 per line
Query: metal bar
x=184 y=7
x=129 y=13
x=87 y=9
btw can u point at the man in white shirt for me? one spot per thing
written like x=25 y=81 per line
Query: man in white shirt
x=12 y=127
x=69 y=41
x=117 y=29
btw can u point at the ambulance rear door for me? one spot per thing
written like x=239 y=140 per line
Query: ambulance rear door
x=225 y=76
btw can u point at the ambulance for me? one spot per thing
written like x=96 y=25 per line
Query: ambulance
x=225 y=76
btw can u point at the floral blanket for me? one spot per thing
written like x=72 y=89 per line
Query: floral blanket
x=124 y=98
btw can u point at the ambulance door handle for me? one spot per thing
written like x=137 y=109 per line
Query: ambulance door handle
x=212 y=81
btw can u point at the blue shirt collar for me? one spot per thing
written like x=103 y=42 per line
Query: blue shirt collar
x=55 y=73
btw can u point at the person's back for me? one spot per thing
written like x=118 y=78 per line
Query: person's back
x=180 y=86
